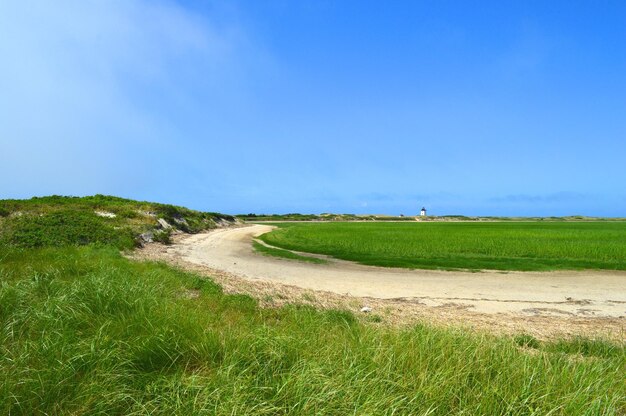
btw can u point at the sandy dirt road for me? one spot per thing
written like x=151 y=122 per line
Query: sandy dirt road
x=594 y=294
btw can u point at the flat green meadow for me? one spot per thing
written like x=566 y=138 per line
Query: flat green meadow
x=457 y=245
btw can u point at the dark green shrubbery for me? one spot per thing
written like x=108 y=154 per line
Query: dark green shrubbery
x=126 y=213
x=62 y=228
x=163 y=236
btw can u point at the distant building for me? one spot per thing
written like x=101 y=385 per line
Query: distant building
x=423 y=212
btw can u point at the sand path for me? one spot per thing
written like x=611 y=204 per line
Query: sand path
x=563 y=293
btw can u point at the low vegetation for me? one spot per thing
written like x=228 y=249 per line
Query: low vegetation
x=86 y=331
x=456 y=245
x=285 y=254
x=59 y=221
x=278 y=217
x=325 y=217
x=63 y=227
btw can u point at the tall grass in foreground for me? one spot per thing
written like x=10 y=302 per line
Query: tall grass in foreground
x=85 y=331
x=456 y=245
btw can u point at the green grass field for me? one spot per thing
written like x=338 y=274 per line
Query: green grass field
x=456 y=245
x=285 y=254
x=84 y=331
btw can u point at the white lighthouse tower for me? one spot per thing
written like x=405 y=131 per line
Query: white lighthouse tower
x=423 y=212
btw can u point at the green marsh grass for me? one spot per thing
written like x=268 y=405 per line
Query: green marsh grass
x=454 y=245
x=84 y=331
x=285 y=254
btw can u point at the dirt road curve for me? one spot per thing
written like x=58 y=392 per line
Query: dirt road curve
x=573 y=294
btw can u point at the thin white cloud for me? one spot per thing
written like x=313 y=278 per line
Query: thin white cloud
x=88 y=88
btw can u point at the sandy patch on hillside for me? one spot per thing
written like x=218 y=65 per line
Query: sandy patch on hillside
x=544 y=304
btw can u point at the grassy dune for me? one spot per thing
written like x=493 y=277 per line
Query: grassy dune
x=492 y=245
x=85 y=331
x=99 y=219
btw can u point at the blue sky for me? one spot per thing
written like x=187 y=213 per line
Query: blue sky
x=476 y=108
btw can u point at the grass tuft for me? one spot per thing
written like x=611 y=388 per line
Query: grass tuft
x=527 y=341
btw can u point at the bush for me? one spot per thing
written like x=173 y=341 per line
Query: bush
x=63 y=228
x=126 y=213
x=163 y=236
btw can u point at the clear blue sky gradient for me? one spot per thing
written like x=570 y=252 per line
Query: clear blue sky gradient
x=476 y=108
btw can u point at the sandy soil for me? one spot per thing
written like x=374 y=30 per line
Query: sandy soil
x=545 y=304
